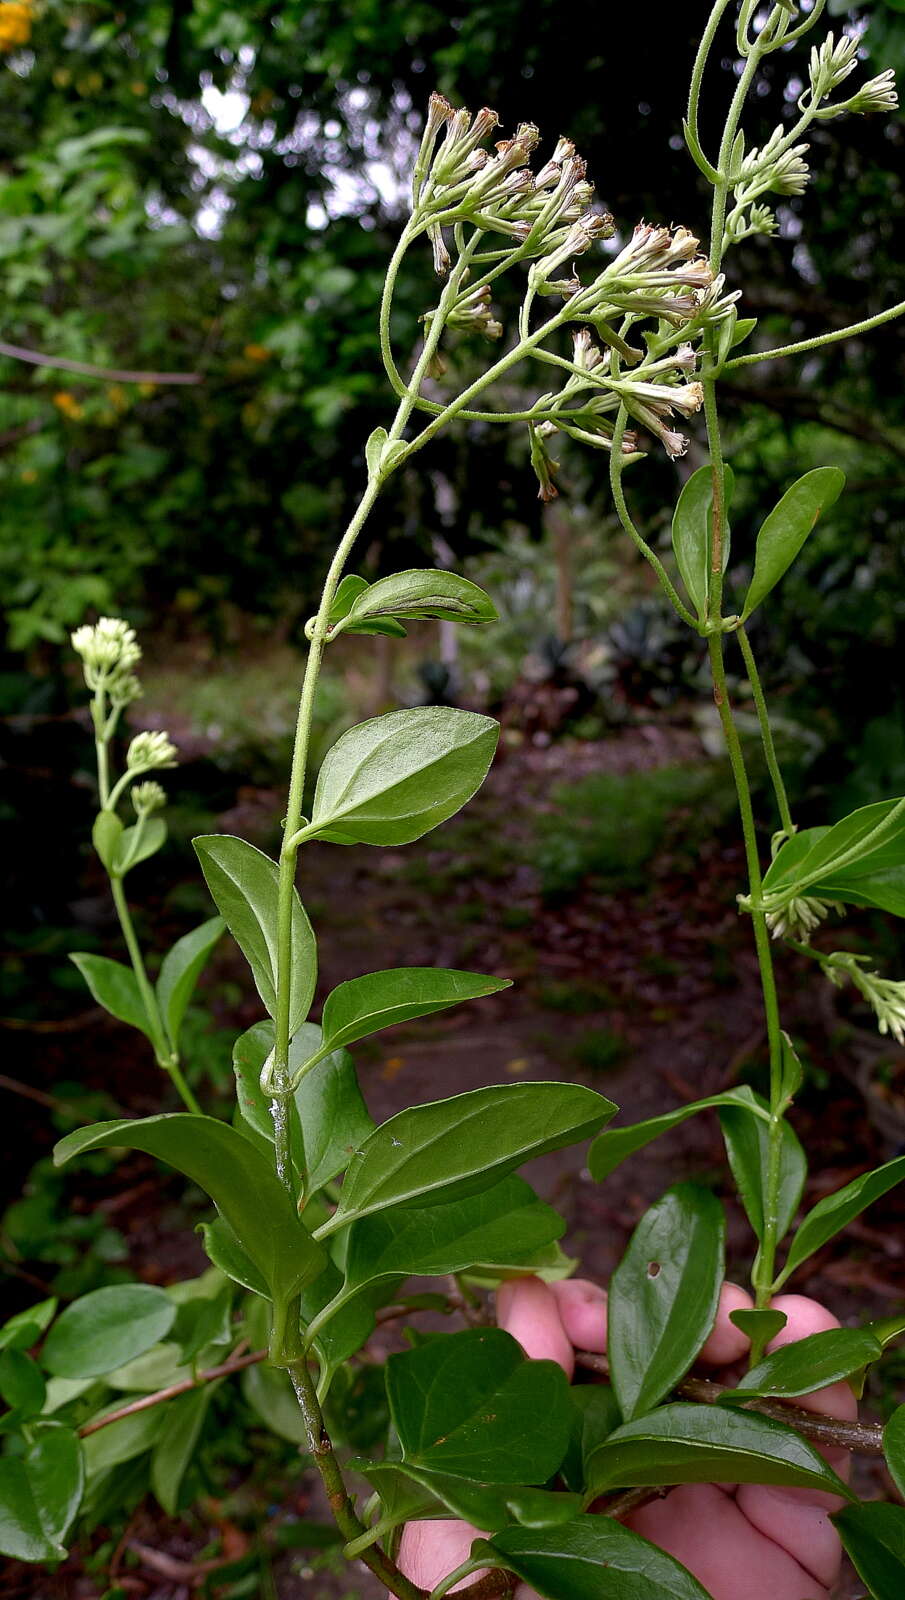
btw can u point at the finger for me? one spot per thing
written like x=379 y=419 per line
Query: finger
x=705 y=1530
x=526 y=1308
x=583 y=1312
x=798 y=1519
x=429 y=1550
x=726 y=1343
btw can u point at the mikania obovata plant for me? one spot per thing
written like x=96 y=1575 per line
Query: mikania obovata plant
x=310 y=1261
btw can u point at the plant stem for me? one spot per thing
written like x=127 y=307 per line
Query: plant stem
x=341 y=1506
x=625 y=517
x=766 y=733
x=166 y=1058
x=802 y=346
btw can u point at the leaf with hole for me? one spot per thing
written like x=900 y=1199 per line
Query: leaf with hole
x=390 y=780
x=241 y=1183
x=468 y=1404
x=452 y=1148
x=590 y=1558
x=244 y=885
x=705 y=1444
x=663 y=1296
x=785 y=530
x=180 y=970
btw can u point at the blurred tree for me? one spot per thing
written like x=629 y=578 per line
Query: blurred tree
x=211 y=189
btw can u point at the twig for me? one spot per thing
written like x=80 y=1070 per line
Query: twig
x=235 y=1364
x=864 y=1437
x=85 y=369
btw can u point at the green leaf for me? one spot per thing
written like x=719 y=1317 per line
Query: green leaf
x=591 y=1558
x=595 y=1415
x=174 y=1449
x=180 y=970
x=229 y=1168
x=874 y=1538
x=419 y=594
x=745 y=326
x=244 y=884
x=374 y=448
x=225 y=1251
x=894 y=1447
x=759 y=1326
x=705 y=1444
x=40 y=1494
x=346 y=595
x=115 y=988
x=499 y=1227
x=106 y=1328
x=874 y=877
x=21 y=1382
x=25 y=1328
x=363 y=1006
x=137 y=843
x=468 y=1404
x=55 y=1469
x=330 y=1118
x=270 y=1394
x=105 y=836
x=785 y=529
x=205 y=1321
x=885 y=1329
x=664 y=1295
x=124 y=1439
x=692 y=534
x=747 y=1139
x=390 y=780
x=457 y=1147
x=617 y=1144
x=408 y=1491
x=836 y=1211
x=808 y=1364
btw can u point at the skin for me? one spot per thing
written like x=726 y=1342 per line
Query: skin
x=741 y=1542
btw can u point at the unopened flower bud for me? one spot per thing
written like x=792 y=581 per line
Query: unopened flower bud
x=542 y=462
x=108 y=649
x=147 y=798
x=149 y=750
x=831 y=64
x=878 y=94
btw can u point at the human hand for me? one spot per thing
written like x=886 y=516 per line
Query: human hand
x=741 y=1542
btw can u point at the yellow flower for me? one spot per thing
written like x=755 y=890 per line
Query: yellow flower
x=68 y=405
x=257 y=352
x=15 y=24
x=28 y=475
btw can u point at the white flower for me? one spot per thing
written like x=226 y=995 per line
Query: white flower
x=109 y=650
x=885 y=996
x=879 y=94
x=149 y=750
x=831 y=64
x=800 y=917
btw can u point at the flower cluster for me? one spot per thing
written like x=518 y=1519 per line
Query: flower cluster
x=148 y=751
x=885 y=996
x=109 y=650
x=148 y=797
x=799 y=918
x=830 y=65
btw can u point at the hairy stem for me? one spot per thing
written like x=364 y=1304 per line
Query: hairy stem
x=766 y=733
x=802 y=346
